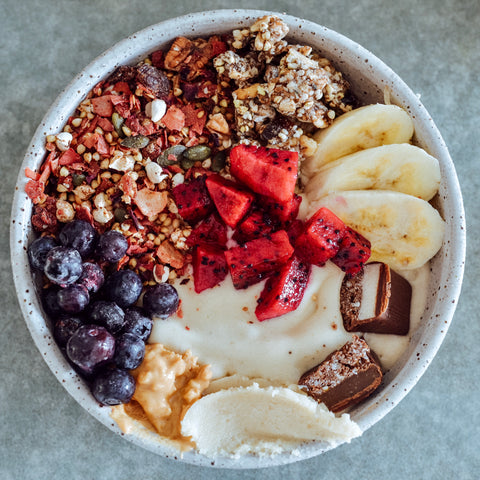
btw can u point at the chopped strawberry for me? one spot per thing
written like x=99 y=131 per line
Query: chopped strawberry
x=102 y=105
x=211 y=230
x=128 y=185
x=267 y=171
x=321 y=237
x=69 y=156
x=122 y=87
x=121 y=104
x=89 y=140
x=209 y=267
x=35 y=190
x=102 y=146
x=192 y=118
x=353 y=253
x=174 y=119
x=192 y=199
x=105 y=124
x=284 y=290
x=32 y=175
x=231 y=200
x=257 y=259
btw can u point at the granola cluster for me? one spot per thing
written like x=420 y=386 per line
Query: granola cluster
x=280 y=88
x=171 y=118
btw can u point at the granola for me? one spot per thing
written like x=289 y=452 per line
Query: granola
x=114 y=164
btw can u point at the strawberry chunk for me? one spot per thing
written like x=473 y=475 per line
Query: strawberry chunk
x=232 y=202
x=354 y=251
x=209 y=267
x=320 y=240
x=284 y=290
x=174 y=119
x=267 y=171
x=102 y=105
x=69 y=156
x=258 y=258
x=192 y=199
x=211 y=230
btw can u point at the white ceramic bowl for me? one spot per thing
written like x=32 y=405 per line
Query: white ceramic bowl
x=368 y=77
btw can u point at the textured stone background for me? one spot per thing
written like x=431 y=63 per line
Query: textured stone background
x=434 y=45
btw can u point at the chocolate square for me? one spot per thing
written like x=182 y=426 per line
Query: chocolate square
x=346 y=377
x=377 y=300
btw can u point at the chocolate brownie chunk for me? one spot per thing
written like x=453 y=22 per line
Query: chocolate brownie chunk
x=345 y=377
x=377 y=301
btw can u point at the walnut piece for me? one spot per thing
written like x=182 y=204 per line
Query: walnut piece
x=178 y=52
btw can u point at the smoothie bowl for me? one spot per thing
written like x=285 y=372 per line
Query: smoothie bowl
x=238 y=239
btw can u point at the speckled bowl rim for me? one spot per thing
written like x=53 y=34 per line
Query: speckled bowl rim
x=369 y=77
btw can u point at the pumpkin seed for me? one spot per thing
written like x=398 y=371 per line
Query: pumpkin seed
x=138 y=141
x=218 y=161
x=120 y=214
x=117 y=121
x=198 y=153
x=186 y=163
x=171 y=155
x=78 y=179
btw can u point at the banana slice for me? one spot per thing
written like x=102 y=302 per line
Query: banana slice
x=405 y=231
x=399 y=167
x=364 y=127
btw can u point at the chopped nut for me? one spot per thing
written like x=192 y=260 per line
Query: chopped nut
x=102 y=215
x=178 y=52
x=217 y=123
x=63 y=140
x=65 y=212
x=155 y=172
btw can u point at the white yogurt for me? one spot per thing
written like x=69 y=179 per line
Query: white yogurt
x=220 y=328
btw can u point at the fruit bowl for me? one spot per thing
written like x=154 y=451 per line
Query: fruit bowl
x=371 y=81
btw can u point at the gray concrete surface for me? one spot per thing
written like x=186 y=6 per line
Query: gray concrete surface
x=434 y=433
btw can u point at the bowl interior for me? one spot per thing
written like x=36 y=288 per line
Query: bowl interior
x=369 y=78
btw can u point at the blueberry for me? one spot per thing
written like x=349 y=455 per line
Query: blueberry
x=113 y=387
x=65 y=328
x=123 y=287
x=50 y=301
x=73 y=299
x=137 y=323
x=129 y=351
x=90 y=346
x=63 y=265
x=38 y=251
x=161 y=300
x=112 y=246
x=92 y=277
x=108 y=315
x=80 y=235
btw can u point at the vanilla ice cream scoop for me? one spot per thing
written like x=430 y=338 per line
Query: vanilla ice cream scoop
x=255 y=420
